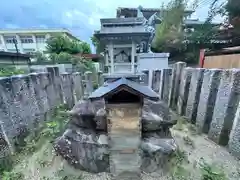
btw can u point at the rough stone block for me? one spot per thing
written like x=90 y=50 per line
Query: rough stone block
x=194 y=94
x=225 y=106
x=155 y=116
x=166 y=84
x=184 y=90
x=157 y=107
x=211 y=80
x=84 y=149
x=156 y=148
x=156 y=80
x=234 y=138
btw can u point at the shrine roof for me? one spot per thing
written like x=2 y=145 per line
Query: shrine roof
x=114 y=87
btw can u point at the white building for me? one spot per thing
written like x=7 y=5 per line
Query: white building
x=28 y=40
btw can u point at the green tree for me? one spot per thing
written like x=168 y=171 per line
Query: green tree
x=233 y=10
x=40 y=57
x=59 y=43
x=169 y=34
x=172 y=35
x=61 y=48
x=96 y=44
x=86 y=49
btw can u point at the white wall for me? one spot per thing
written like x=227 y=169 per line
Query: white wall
x=152 y=61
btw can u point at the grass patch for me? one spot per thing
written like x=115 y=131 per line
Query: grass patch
x=45 y=133
x=188 y=141
x=180 y=124
x=178 y=170
x=211 y=172
x=192 y=129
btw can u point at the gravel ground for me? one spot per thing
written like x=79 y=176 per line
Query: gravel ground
x=44 y=164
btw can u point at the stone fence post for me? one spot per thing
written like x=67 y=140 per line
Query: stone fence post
x=88 y=84
x=145 y=77
x=194 y=94
x=100 y=78
x=234 y=143
x=211 y=80
x=225 y=107
x=67 y=87
x=175 y=83
x=166 y=80
x=184 y=90
x=77 y=86
x=156 y=78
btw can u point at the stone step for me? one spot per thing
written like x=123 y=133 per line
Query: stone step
x=125 y=162
x=128 y=176
x=119 y=142
x=124 y=133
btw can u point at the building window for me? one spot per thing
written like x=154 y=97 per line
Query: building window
x=29 y=51
x=9 y=39
x=26 y=39
x=12 y=50
x=40 y=39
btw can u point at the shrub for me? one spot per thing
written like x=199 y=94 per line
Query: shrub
x=210 y=172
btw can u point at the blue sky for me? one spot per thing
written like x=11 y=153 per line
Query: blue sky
x=81 y=17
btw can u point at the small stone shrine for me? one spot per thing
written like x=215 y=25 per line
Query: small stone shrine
x=122 y=128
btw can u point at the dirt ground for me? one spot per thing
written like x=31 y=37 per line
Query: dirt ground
x=44 y=165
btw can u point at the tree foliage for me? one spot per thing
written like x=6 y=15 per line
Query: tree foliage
x=40 y=57
x=169 y=34
x=62 y=50
x=173 y=36
x=96 y=44
x=59 y=43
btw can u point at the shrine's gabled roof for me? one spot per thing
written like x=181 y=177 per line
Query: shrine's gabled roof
x=108 y=88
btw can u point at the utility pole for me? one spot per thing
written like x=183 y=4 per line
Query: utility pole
x=16 y=47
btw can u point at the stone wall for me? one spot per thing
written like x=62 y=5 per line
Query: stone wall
x=26 y=100
x=208 y=98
